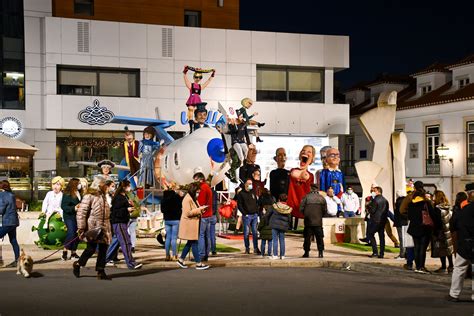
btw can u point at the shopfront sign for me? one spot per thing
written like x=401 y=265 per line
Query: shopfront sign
x=11 y=127
x=95 y=114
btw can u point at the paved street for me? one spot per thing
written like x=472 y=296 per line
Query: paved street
x=224 y=291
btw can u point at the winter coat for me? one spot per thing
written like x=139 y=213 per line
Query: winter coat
x=314 y=208
x=171 y=206
x=399 y=219
x=119 y=213
x=8 y=209
x=94 y=212
x=463 y=225
x=265 y=229
x=442 y=242
x=379 y=210
x=279 y=216
x=68 y=205
x=247 y=202
x=190 y=219
x=415 y=209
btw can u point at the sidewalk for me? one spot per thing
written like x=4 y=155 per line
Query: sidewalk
x=152 y=255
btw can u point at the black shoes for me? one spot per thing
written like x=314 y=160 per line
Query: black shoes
x=320 y=255
x=102 y=276
x=74 y=256
x=374 y=255
x=76 y=269
x=64 y=256
x=133 y=249
x=214 y=253
x=306 y=254
x=247 y=251
x=13 y=264
x=257 y=251
x=364 y=240
x=449 y=298
x=259 y=140
x=260 y=124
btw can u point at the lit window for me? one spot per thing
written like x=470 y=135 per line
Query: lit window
x=192 y=18
x=470 y=147
x=84 y=7
x=432 y=142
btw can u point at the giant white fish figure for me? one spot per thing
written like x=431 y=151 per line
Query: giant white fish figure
x=200 y=151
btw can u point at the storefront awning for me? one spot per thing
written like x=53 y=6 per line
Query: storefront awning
x=13 y=147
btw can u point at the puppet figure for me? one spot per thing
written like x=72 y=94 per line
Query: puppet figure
x=332 y=176
x=280 y=177
x=246 y=105
x=301 y=180
x=322 y=152
x=200 y=115
x=195 y=89
x=147 y=151
x=130 y=148
x=240 y=143
x=105 y=168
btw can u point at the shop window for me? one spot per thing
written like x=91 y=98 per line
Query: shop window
x=470 y=147
x=288 y=84
x=192 y=18
x=98 y=81
x=432 y=134
x=84 y=7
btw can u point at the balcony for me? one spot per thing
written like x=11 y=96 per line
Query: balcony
x=433 y=167
x=470 y=165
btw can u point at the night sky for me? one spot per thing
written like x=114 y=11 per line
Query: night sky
x=397 y=37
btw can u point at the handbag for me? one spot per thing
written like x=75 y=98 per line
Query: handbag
x=407 y=238
x=426 y=218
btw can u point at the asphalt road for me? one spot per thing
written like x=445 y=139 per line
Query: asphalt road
x=224 y=291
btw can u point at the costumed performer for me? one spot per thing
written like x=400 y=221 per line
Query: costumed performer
x=300 y=181
x=195 y=89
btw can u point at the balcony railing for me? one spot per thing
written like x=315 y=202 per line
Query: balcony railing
x=433 y=167
x=470 y=166
x=348 y=168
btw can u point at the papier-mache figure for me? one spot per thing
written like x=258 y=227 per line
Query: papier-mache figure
x=147 y=150
x=246 y=105
x=195 y=89
x=52 y=200
x=200 y=115
x=240 y=143
x=332 y=176
x=105 y=168
x=130 y=148
x=317 y=175
x=279 y=177
x=301 y=180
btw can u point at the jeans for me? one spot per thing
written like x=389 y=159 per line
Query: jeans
x=71 y=225
x=262 y=246
x=11 y=231
x=318 y=233
x=172 y=228
x=410 y=256
x=380 y=230
x=250 y=222
x=278 y=237
x=89 y=252
x=204 y=237
x=193 y=245
x=348 y=214
x=421 y=244
x=132 y=230
x=213 y=233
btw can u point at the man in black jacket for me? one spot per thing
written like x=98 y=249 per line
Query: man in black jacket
x=248 y=206
x=314 y=208
x=463 y=224
x=378 y=214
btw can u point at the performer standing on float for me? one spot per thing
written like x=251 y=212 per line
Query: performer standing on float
x=300 y=181
x=130 y=148
x=332 y=176
x=195 y=89
x=147 y=151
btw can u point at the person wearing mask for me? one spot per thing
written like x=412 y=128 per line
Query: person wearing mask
x=189 y=227
x=442 y=243
x=69 y=205
x=350 y=203
x=463 y=224
x=119 y=218
x=421 y=215
x=94 y=212
x=333 y=203
x=9 y=220
x=171 y=207
x=110 y=191
x=204 y=198
x=279 y=218
x=265 y=201
x=248 y=205
x=314 y=208
x=379 y=216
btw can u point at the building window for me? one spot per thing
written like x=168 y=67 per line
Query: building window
x=288 y=84
x=425 y=89
x=192 y=18
x=432 y=142
x=84 y=7
x=463 y=82
x=12 y=55
x=117 y=82
x=470 y=147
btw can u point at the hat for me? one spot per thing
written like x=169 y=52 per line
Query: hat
x=106 y=162
x=469 y=187
x=200 y=107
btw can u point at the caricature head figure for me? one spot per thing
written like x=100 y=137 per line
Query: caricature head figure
x=280 y=157
x=307 y=154
x=252 y=155
x=57 y=184
x=106 y=169
x=197 y=76
x=149 y=132
x=333 y=158
x=128 y=135
x=323 y=152
x=200 y=114
x=246 y=103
